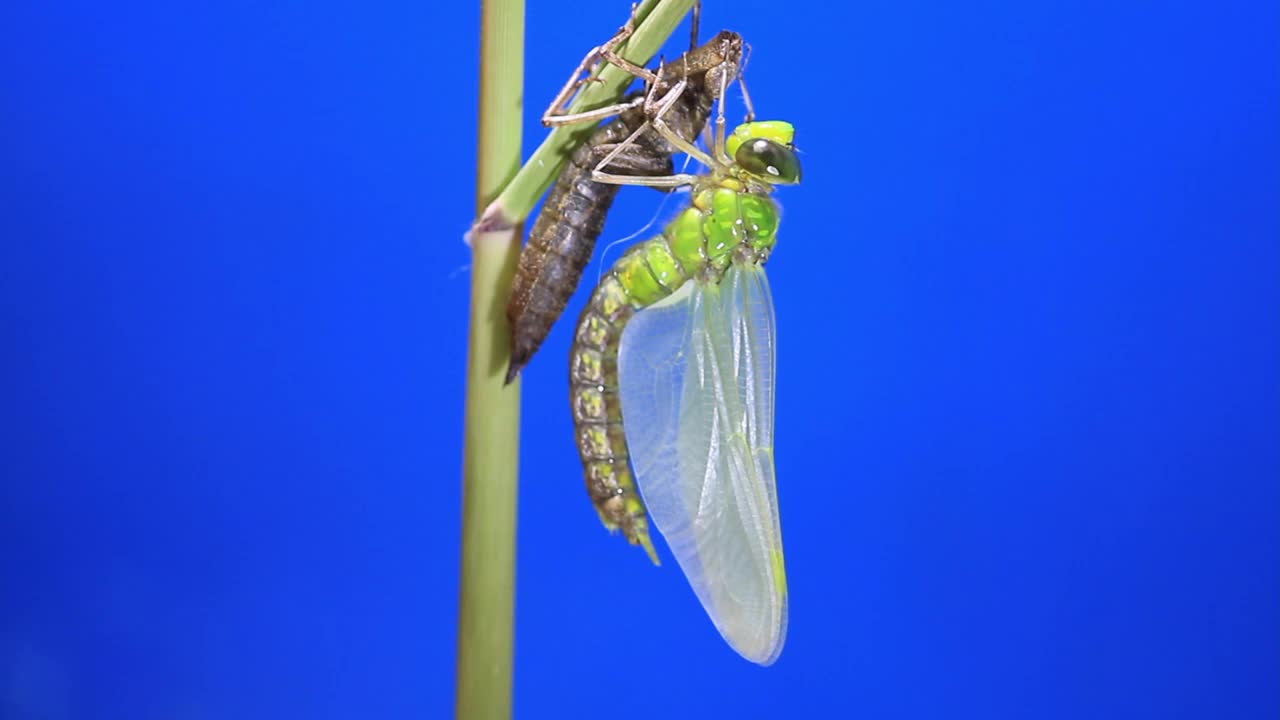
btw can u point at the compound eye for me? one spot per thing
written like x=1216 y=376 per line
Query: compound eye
x=771 y=161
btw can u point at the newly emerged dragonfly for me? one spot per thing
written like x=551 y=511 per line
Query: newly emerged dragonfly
x=672 y=374
x=563 y=238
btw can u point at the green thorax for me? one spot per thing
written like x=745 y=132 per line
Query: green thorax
x=724 y=224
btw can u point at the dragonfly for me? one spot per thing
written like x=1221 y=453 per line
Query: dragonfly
x=563 y=238
x=672 y=376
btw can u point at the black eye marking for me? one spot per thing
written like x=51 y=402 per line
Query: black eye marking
x=769 y=159
x=764 y=148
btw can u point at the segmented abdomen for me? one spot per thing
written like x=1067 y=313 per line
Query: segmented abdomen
x=560 y=246
x=721 y=226
x=564 y=235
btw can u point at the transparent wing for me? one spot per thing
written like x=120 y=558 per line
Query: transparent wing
x=696 y=375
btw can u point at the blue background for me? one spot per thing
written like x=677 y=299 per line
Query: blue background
x=1029 y=370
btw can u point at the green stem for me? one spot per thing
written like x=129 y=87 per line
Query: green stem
x=487 y=596
x=655 y=21
x=486 y=605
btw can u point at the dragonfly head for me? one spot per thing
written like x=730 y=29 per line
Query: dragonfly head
x=766 y=150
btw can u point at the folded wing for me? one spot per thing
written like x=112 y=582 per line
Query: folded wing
x=696 y=375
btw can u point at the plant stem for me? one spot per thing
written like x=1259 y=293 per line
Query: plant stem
x=490 y=455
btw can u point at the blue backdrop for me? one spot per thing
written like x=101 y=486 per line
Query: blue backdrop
x=1029 y=371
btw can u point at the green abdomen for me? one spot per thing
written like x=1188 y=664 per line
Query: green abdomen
x=722 y=225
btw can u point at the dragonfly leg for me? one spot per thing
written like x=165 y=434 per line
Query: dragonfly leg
x=683 y=145
x=746 y=96
x=695 y=24
x=663 y=181
x=616 y=151
x=600 y=113
x=718 y=147
x=655 y=109
x=717 y=144
x=633 y=163
x=561 y=101
x=557 y=113
x=607 y=51
x=720 y=129
x=671 y=136
x=619 y=150
x=609 y=54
